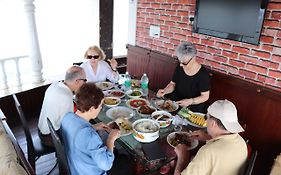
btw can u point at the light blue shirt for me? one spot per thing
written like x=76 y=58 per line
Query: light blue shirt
x=85 y=151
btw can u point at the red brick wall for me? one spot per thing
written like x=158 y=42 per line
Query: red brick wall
x=259 y=64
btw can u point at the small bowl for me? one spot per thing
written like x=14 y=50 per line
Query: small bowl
x=163 y=121
x=111 y=101
x=146 y=130
x=134 y=93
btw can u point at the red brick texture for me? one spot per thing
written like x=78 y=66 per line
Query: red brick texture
x=259 y=64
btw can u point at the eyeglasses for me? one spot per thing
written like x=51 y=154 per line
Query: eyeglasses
x=93 y=56
x=85 y=80
x=187 y=62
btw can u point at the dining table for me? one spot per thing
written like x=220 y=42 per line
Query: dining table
x=152 y=156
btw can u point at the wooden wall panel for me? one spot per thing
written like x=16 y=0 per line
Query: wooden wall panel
x=137 y=61
x=160 y=71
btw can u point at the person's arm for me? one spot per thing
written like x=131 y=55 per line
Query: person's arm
x=182 y=158
x=111 y=71
x=167 y=90
x=204 y=96
x=113 y=135
x=200 y=135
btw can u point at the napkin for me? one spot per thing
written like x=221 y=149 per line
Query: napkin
x=177 y=120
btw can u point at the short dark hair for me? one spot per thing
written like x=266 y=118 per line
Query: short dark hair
x=219 y=123
x=87 y=96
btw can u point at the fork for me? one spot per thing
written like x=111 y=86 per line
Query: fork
x=165 y=99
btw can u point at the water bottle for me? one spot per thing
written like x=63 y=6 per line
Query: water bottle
x=127 y=83
x=144 y=84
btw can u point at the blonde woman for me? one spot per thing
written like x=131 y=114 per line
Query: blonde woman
x=96 y=68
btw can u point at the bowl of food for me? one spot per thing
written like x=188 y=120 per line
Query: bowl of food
x=134 y=93
x=164 y=118
x=181 y=137
x=111 y=101
x=145 y=110
x=146 y=130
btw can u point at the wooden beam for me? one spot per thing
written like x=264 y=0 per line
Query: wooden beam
x=106 y=26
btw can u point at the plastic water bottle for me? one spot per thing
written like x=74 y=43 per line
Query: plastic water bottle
x=127 y=83
x=144 y=84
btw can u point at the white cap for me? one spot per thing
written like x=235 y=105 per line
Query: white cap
x=226 y=112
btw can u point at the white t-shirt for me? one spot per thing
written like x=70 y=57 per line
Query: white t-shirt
x=58 y=101
x=103 y=72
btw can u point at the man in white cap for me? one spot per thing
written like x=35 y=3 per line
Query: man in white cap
x=225 y=151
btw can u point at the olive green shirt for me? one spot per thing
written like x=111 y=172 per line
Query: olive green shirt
x=225 y=154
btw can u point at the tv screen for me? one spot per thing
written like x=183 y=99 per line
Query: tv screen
x=239 y=20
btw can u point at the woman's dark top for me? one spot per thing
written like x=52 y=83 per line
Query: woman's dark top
x=190 y=86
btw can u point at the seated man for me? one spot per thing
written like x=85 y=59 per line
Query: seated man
x=224 y=153
x=58 y=100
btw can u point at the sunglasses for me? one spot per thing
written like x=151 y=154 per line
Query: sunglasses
x=186 y=63
x=93 y=56
x=85 y=80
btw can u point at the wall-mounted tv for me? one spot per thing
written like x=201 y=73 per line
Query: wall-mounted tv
x=239 y=20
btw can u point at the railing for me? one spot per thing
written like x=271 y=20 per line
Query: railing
x=15 y=68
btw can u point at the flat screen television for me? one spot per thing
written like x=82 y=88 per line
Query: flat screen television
x=239 y=20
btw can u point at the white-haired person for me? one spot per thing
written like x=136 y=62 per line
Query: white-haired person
x=225 y=151
x=190 y=85
x=58 y=101
x=96 y=68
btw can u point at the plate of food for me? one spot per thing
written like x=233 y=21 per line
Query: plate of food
x=120 y=111
x=195 y=119
x=134 y=93
x=114 y=93
x=111 y=101
x=135 y=103
x=145 y=110
x=123 y=124
x=166 y=105
x=181 y=137
x=135 y=83
x=105 y=85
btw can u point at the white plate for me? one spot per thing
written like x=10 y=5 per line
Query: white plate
x=158 y=103
x=135 y=103
x=193 y=144
x=120 y=111
x=193 y=124
x=123 y=132
x=118 y=100
x=114 y=93
x=105 y=85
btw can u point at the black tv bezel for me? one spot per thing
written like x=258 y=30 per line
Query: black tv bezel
x=236 y=37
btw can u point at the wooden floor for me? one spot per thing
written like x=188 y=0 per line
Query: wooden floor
x=45 y=163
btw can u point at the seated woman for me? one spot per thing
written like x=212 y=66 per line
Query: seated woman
x=191 y=83
x=96 y=68
x=86 y=153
